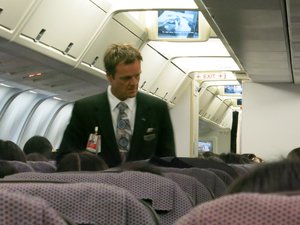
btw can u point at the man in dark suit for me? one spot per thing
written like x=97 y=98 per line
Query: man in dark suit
x=152 y=133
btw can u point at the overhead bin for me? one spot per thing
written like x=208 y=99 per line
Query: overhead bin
x=227 y=118
x=212 y=108
x=66 y=26
x=155 y=63
x=113 y=32
x=219 y=113
x=12 y=12
x=168 y=82
x=205 y=98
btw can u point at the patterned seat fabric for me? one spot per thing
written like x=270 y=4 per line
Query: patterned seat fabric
x=196 y=190
x=42 y=166
x=246 y=209
x=18 y=208
x=204 y=176
x=88 y=203
x=166 y=197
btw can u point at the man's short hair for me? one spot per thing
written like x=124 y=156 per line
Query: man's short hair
x=120 y=53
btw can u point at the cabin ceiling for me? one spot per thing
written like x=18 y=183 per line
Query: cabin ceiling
x=263 y=36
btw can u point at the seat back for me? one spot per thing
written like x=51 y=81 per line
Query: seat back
x=166 y=197
x=226 y=178
x=246 y=209
x=196 y=190
x=88 y=203
x=21 y=166
x=42 y=166
x=19 y=208
x=204 y=176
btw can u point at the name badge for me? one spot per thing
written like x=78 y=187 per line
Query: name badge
x=94 y=142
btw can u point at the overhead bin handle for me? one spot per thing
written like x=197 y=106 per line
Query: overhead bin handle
x=39 y=36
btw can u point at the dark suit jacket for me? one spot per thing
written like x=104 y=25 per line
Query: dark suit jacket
x=151 y=112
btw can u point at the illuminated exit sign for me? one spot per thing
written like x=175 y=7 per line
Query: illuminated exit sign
x=215 y=76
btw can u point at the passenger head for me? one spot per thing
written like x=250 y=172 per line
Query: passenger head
x=294 y=154
x=38 y=144
x=11 y=151
x=270 y=177
x=234 y=158
x=123 y=68
x=253 y=158
x=81 y=161
x=6 y=169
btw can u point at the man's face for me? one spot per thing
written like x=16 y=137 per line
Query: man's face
x=126 y=81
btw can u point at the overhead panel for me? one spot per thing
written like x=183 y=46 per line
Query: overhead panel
x=11 y=14
x=66 y=26
x=220 y=113
x=152 y=68
x=227 y=119
x=113 y=32
x=256 y=31
x=205 y=98
x=213 y=108
x=168 y=82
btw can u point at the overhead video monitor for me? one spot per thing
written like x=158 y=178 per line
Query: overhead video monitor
x=180 y=25
x=205 y=146
x=233 y=89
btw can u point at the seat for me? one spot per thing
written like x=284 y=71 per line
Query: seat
x=21 y=166
x=246 y=209
x=166 y=197
x=204 y=176
x=226 y=178
x=187 y=162
x=18 y=208
x=196 y=190
x=240 y=169
x=88 y=203
x=42 y=166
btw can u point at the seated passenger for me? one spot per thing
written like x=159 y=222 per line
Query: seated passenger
x=294 y=154
x=234 y=158
x=81 y=161
x=11 y=151
x=38 y=144
x=281 y=176
x=253 y=158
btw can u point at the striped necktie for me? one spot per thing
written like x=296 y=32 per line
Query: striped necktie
x=123 y=130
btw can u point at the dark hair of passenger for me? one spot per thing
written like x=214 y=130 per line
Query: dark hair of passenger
x=81 y=161
x=120 y=53
x=234 y=158
x=36 y=157
x=294 y=154
x=140 y=166
x=6 y=169
x=38 y=144
x=281 y=176
x=11 y=151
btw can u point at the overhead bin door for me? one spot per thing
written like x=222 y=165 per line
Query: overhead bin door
x=65 y=25
x=205 y=98
x=113 y=32
x=168 y=82
x=12 y=11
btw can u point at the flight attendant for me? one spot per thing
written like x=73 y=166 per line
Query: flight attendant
x=132 y=125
